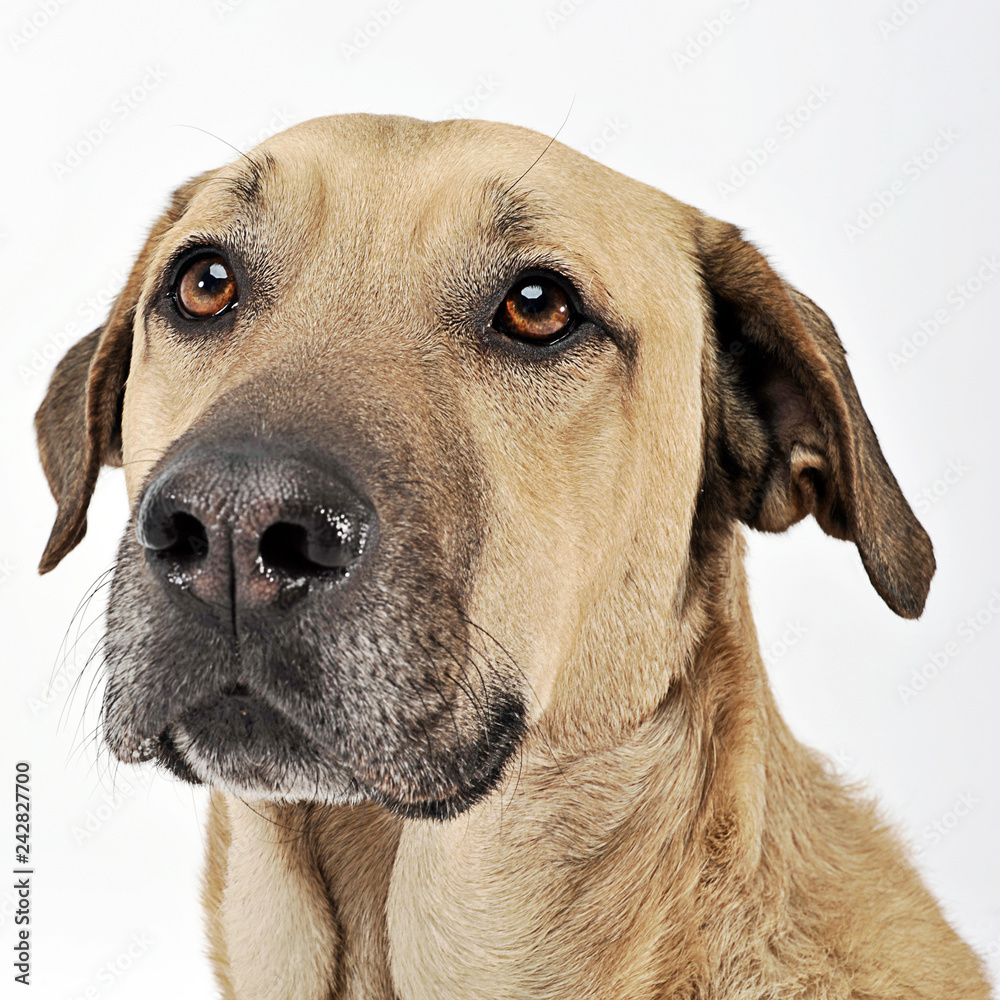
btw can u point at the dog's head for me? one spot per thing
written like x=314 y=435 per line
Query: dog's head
x=428 y=436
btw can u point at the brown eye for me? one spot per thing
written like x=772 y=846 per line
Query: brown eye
x=535 y=309
x=205 y=287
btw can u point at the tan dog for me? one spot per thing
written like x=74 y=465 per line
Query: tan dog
x=438 y=439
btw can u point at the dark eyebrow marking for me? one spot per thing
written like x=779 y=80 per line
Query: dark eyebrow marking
x=510 y=216
x=246 y=187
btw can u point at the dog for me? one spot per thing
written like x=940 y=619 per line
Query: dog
x=439 y=441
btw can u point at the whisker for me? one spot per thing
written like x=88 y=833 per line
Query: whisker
x=235 y=149
x=545 y=150
x=511 y=661
x=65 y=646
x=301 y=833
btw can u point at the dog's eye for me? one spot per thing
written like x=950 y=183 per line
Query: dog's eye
x=536 y=309
x=205 y=287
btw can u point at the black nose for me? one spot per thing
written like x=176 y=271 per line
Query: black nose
x=252 y=526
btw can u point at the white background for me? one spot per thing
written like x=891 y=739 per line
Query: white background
x=118 y=855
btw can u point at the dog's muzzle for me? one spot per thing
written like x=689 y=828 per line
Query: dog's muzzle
x=281 y=627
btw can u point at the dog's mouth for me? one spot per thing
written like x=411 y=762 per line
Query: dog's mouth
x=239 y=742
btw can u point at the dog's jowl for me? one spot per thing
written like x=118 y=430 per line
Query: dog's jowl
x=439 y=441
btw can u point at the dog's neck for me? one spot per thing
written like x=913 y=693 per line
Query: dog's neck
x=632 y=844
x=615 y=844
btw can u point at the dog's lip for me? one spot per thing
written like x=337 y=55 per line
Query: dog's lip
x=167 y=754
x=236 y=722
x=236 y=709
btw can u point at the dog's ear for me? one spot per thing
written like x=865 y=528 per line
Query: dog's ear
x=78 y=425
x=787 y=429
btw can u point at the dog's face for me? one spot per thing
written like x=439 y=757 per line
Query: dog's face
x=424 y=447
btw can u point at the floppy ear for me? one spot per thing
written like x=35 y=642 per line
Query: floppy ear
x=78 y=425
x=790 y=433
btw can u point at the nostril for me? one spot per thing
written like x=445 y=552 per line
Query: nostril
x=285 y=547
x=192 y=539
x=293 y=550
x=180 y=537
